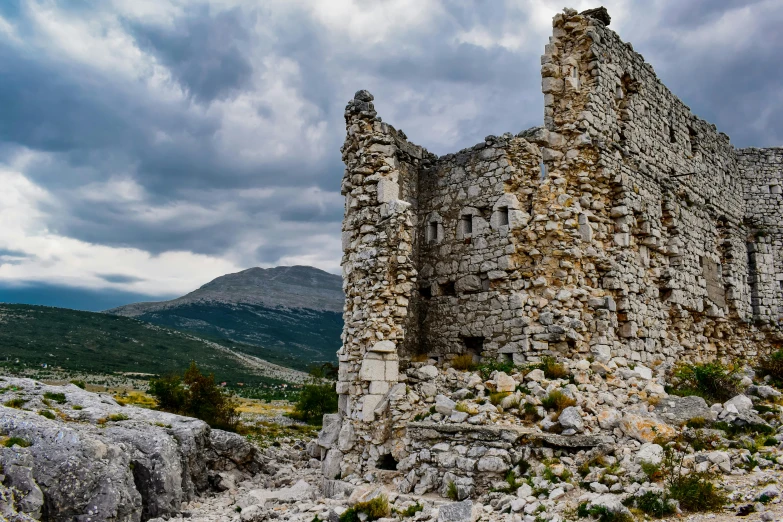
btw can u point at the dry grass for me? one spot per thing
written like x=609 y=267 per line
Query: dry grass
x=463 y=362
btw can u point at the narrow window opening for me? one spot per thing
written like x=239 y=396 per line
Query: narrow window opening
x=672 y=137
x=447 y=288
x=425 y=291
x=503 y=216
x=473 y=345
x=466 y=224
x=694 y=139
x=542 y=166
x=386 y=462
x=432 y=231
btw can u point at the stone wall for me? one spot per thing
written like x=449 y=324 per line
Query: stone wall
x=624 y=231
x=471 y=207
x=762 y=173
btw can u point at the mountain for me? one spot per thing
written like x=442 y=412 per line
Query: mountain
x=91 y=342
x=290 y=313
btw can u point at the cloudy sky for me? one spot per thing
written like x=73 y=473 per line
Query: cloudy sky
x=149 y=146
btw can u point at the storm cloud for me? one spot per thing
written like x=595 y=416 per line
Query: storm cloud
x=149 y=146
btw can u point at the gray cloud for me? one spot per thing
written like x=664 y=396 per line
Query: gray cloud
x=262 y=110
x=120 y=278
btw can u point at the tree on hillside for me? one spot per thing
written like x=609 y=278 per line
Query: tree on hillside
x=196 y=395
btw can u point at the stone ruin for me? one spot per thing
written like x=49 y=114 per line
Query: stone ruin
x=624 y=231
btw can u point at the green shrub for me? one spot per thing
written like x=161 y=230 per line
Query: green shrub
x=653 y=471
x=317 y=398
x=17 y=403
x=48 y=414
x=77 y=407
x=552 y=369
x=486 y=368
x=711 y=381
x=117 y=417
x=81 y=384
x=59 y=398
x=496 y=397
x=652 y=503
x=16 y=441
x=772 y=364
x=557 y=401
x=374 y=509
x=602 y=514
x=696 y=492
x=451 y=491
x=411 y=510
x=196 y=395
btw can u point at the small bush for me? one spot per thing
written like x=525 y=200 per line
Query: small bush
x=653 y=471
x=772 y=364
x=15 y=403
x=48 y=414
x=81 y=384
x=602 y=514
x=697 y=423
x=77 y=407
x=59 y=398
x=696 y=492
x=196 y=395
x=117 y=417
x=711 y=381
x=486 y=368
x=317 y=398
x=451 y=491
x=411 y=510
x=374 y=509
x=652 y=503
x=530 y=412
x=552 y=369
x=16 y=441
x=496 y=397
x=463 y=362
x=557 y=401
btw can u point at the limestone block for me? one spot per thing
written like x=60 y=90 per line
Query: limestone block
x=373 y=370
x=392 y=370
x=388 y=190
x=369 y=405
x=379 y=387
x=384 y=347
x=505 y=383
x=468 y=284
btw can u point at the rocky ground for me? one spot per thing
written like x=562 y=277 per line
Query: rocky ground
x=95 y=459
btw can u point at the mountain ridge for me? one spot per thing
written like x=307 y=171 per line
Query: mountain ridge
x=294 y=312
x=289 y=284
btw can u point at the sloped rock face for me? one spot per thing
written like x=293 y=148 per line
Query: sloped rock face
x=98 y=460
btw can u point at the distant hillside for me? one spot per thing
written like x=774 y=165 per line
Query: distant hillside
x=292 y=314
x=101 y=343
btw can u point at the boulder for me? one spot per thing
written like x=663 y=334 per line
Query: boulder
x=650 y=453
x=505 y=383
x=609 y=418
x=114 y=462
x=765 y=392
x=329 y=434
x=571 y=419
x=679 y=410
x=456 y=512
x=740 y=402
x=426 y=373
x=644 y=429
x=444 y=405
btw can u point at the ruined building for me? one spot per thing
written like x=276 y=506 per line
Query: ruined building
x=624 y=229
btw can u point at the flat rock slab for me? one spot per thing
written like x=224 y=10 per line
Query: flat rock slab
x=456 y=512
x=434 y=430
